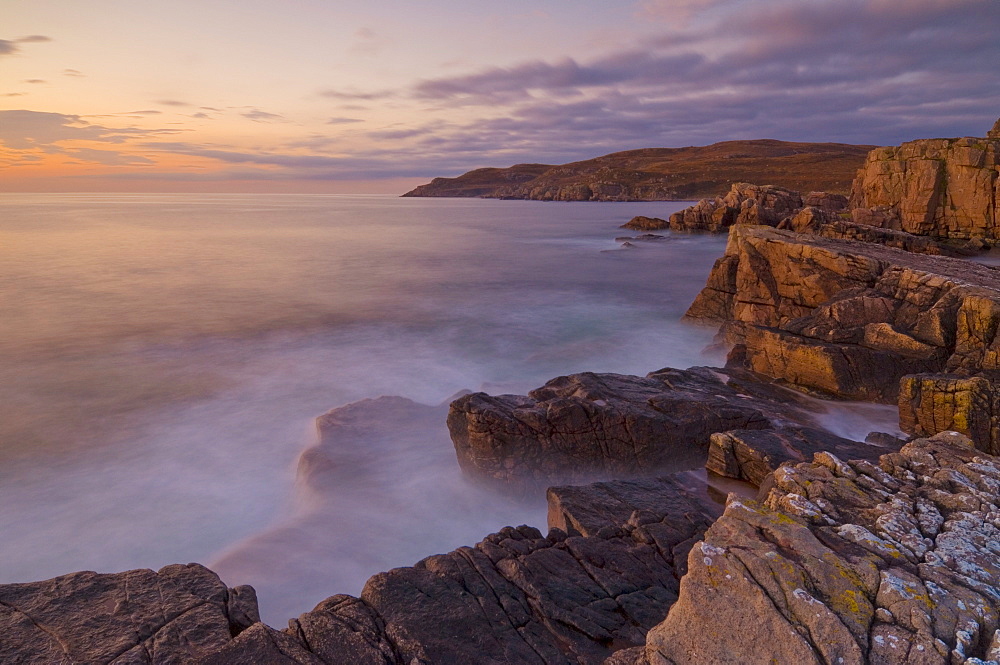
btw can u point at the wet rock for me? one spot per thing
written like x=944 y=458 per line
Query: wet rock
x=849 y=319
x=643 y=223
x=589 y=426
x=753 y=454
x=848 y=562
x=175 y=615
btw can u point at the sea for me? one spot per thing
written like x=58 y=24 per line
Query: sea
x=163 y=359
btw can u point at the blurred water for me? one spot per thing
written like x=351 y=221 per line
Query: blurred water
x=162 y=358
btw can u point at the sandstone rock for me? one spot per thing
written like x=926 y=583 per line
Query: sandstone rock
x=944 y=188
x=848 y=562
x=753 y=454
x=850 y=319
x=262 y=644
x=932 y=403
x=587 y=426
x=176 y=615
x=643 y=223
x=744 y=204
x=825 y=201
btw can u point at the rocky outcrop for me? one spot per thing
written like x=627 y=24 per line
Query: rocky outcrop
x=932 y=403
x=643 y=223
x=751 y=455
x=944 y=188
x=849 y=319
x=848 y=562
x=744 y=204
x=175 y=615
x=586 y=426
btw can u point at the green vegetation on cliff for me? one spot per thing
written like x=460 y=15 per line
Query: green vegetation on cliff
x=665 y=174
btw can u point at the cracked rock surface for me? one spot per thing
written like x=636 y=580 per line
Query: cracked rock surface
x=848 y=562
x=590 y=426
x=850 y=319
x=137 y=617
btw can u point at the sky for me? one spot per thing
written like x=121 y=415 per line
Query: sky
x=351 y=96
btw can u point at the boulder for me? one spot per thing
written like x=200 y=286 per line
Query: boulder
x=643 y=223
x=848 y=562
x=744 y=204
x=175 y=615
x=597 y=426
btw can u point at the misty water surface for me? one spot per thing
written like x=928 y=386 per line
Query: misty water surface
x=162 y=359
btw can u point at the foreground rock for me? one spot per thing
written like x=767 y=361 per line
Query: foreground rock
x=932 y=403
x=848 y=563
x=944 y=188
x=586 y=426
x=850 y=319
x=175 y=615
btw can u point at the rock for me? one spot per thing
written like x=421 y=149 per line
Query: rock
x=587 y=426
x=825 y=201
x=944 y=188
x=932 y=403
x=175 y=615
x=584 y=510
x=744 y=204
x=995 y=132
x=753 y=454
x=849 y=319
x=517 y=597
x=643 y=223
x=848 y=562
x=262 y=644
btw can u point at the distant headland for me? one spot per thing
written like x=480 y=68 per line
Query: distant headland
x=665 y=174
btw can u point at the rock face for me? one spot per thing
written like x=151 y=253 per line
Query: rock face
x=850 y=319
x=175 y=615
x=944 y=188
x=585 y=426
x=932 y=403
x=848 y=562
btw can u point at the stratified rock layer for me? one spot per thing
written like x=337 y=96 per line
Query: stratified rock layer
x=850 y=319
x=932 y=403
x=587 y=426
x=848 y=562
x=172 y=616
x=944 y=188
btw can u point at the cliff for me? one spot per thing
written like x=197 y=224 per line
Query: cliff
x=944 y=188
x=664 y=174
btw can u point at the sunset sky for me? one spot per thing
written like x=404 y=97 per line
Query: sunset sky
x=350 y=96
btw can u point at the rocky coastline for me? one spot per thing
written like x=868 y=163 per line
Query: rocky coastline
x=699 y=515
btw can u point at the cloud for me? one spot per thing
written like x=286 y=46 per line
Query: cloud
x=357 y=95
x=108 y=157
x=72 y=72
x=172 y=102
x=28 y=130
x=366 y=42
x=34 y=81
x=343 y=121
x=12 y=46
x=262 y=116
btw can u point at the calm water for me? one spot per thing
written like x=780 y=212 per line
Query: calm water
x=162 y=359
